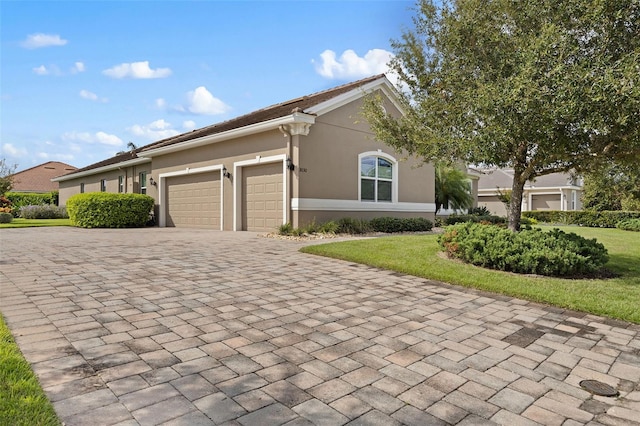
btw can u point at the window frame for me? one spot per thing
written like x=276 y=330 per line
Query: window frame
x=394 y=176
x=103 y=185
x=120 y=184
x=142 y=181
x=82 y=187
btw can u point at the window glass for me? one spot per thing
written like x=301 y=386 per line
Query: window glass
x=143 y=182
x=368 y=167
x=121 y=183
x=82 y=188
x=385 y=169
x=103 y=185
x=384 y=190
x=367 y=189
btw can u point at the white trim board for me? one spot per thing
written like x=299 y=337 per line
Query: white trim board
x=321 y=204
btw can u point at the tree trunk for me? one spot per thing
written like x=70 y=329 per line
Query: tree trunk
x=515 y=204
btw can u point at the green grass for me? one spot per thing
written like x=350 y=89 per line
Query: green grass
x=419 y=255
x=28 y=223
x=22 y=400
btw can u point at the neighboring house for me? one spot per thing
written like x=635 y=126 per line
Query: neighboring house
x=310 y=158
x=556 y=191
x=38 y=178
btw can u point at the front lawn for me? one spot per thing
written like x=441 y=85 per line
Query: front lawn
x=27 y=223
x=22 y=400
x=419 y=255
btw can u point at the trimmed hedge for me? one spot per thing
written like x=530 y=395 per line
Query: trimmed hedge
x=593 y=219
x=46 y=211
x=21 y=199
x=461 y=218
x=106 y=210
x=553 y=253
x=629 y=225
x=6 y=217
x=394 y=224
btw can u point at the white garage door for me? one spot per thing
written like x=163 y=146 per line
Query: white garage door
x=194 y=201
x=545 y=202
x=262 y=191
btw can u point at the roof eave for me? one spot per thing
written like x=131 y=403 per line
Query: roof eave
x=251 y=129
x=382 y=83
x=107 y=168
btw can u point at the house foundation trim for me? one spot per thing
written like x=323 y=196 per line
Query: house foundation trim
x=320 y=204
x=162 y=220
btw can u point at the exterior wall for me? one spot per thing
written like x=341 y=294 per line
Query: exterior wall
x=92 y=182
x=219 y=154
x=327 y=163
x=494 y=205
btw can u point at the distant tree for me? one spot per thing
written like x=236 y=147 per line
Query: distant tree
x=131 y=147
x=539 y=86
x=452 y=188
x=6 y=176
x=612 y=187
x=505 y=197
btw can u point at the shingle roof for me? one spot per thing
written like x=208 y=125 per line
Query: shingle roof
x=38 y=178
x=265 y=114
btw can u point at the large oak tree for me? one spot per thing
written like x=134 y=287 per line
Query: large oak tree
x=539 y=86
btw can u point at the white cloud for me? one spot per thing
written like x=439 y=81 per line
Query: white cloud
x=86 y=137
x=41 y=70
x=202 y=102
x=189 y=124
x=78 y=67
x=161 y=103
x=12 y=151
x=35 y=41
x=136 y=70
x=349 y=65
x=54 y=157
x=85 y=94
x=156 y=130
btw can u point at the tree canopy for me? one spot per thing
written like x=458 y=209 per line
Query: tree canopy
x=541 y=86
x=6 y=176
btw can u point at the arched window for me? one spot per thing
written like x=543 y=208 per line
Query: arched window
x=378 y=177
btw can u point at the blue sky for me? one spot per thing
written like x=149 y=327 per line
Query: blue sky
x=81 y=79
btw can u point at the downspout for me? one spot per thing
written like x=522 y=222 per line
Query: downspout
x=289 y=189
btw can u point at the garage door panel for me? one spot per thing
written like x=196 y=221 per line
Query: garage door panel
x=262 y=204
x=545 y=202
x=194 y=201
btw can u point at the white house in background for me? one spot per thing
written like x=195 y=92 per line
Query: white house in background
x=556 y=191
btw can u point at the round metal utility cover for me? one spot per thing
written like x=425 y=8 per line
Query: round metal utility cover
x=598 y=388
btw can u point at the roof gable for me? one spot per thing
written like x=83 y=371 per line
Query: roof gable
x=38 y=178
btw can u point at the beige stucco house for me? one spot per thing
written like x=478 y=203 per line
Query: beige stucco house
x=310 y=158
x=556 y=191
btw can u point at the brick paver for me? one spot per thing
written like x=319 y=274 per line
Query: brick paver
x=194 y=327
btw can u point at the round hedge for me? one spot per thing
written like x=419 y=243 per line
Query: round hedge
x=553 y=253
x=105 y=210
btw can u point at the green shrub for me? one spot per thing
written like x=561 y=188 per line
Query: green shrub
x=479 y=211
x=594 y=219
x=394 y=224
x=106 y=210
x=5 y=217
x=21 y=199
x=285 y=229
x=348 y=225
x=46 y=211
x=330 y=227
x=553 y=253
x=461 y=218
x=629 y=225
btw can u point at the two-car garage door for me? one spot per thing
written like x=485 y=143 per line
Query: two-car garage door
x=193 y=200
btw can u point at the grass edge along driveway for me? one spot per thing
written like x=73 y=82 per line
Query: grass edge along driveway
x=22 y=400
x=28 y=223
x=418 y=255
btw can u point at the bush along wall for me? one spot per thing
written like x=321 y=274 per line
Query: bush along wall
x=594 y=219
x=553 y=253
x=629 y=225
x=106 y=210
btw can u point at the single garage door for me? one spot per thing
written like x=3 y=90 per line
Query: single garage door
x=193 y=201
x=545 y=202
x=262 y=197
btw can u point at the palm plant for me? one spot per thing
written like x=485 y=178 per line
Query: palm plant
x=452 y=188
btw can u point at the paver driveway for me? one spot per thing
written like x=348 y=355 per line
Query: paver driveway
x=193 y=327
